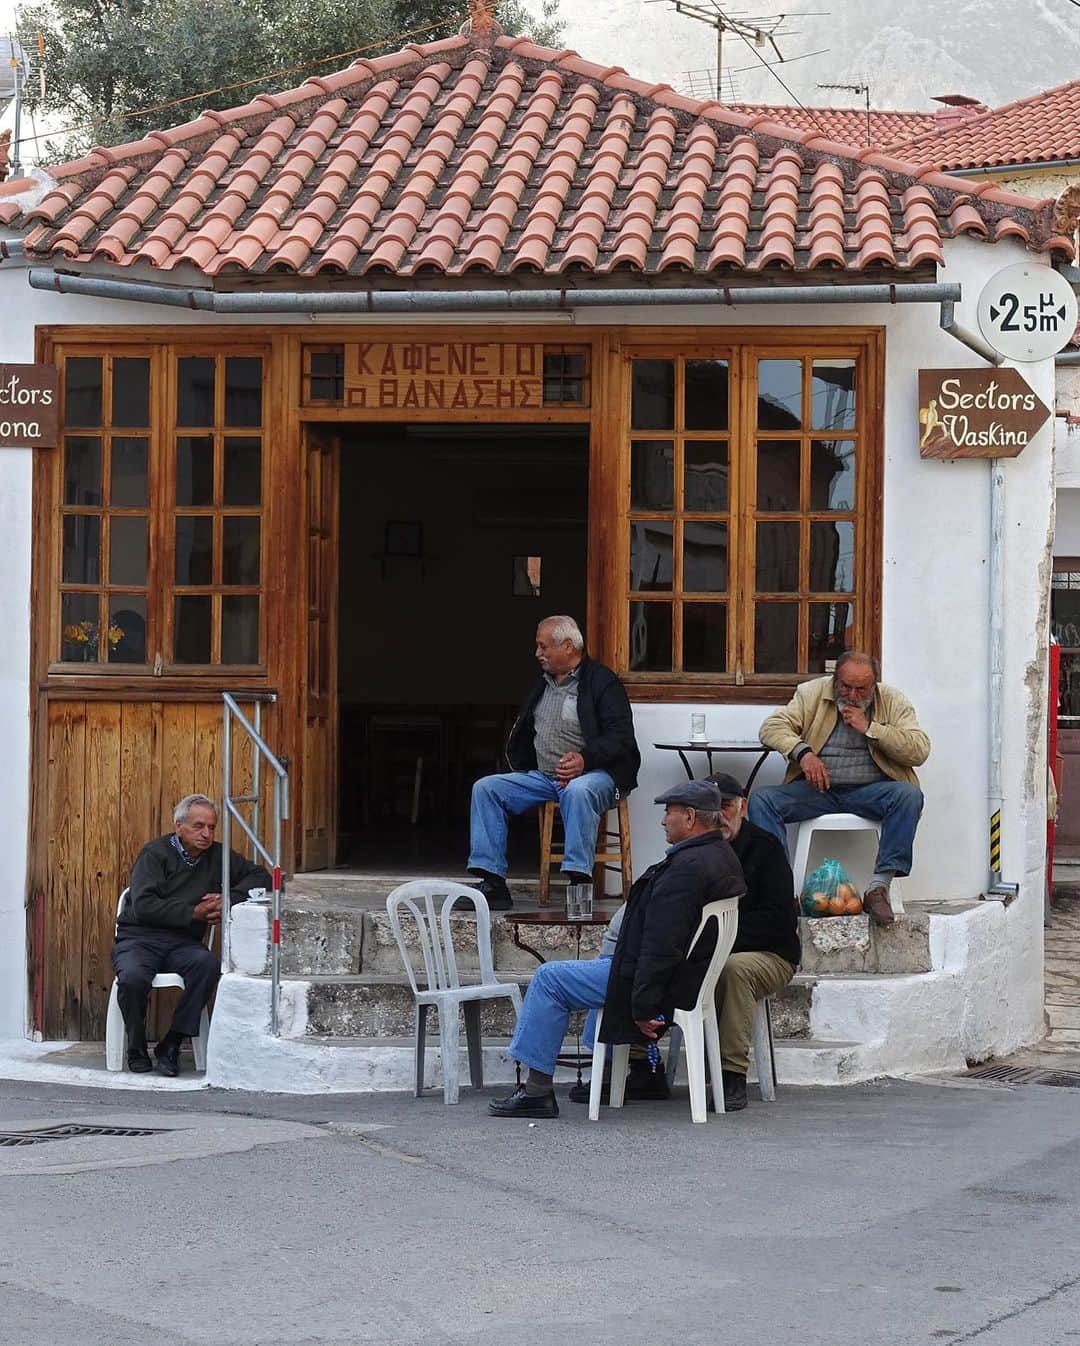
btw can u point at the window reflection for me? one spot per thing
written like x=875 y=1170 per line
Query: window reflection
x=650 y=637
x=776 y=637
x=652 y=474
x=832 y=394
x=832 y=557
x=778 y=474
x=832 y=474
x=777 y=557
x=832 y=631
x=705 y=486
x=705 y=556
x=650 y=555
x=779 y=394
x=706 y=395
x=652 y=395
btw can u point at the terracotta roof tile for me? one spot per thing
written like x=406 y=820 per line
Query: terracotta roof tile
x=842 y=125
x=494 y=155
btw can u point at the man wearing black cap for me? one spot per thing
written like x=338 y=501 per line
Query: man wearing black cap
x=649 y=974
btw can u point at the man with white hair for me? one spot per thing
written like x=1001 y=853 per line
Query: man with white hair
x=172 y=898
x=573 y=742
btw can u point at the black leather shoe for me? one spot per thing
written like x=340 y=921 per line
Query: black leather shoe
x=579 y=1093
x=494 y=889
x=138 y=1060
x=734 y=1091
x=642 y=1086
x=521 y=1104
x=576 y=876
x=167 y=1059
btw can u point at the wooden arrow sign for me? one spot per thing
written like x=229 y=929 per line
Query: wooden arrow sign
x=977 y=413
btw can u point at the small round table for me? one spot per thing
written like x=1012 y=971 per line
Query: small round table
x=708 y=747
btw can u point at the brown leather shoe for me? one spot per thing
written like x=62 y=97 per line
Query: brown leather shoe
x=876 y=902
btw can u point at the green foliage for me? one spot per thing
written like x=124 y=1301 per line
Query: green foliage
x=107 y=60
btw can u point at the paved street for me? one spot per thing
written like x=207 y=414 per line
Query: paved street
x=897 y=1212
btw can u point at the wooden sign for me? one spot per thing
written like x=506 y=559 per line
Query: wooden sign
x=477 y=377
x=29 y=406
x=977 y=413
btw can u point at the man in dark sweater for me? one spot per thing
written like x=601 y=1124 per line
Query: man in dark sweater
x=173 y=896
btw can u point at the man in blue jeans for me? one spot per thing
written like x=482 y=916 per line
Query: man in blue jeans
x=852 y=744
x=573 y=743
x=650 y=973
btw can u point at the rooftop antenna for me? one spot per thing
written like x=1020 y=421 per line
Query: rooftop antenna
x=760 y=30
x=14 y=72
x=864 y=89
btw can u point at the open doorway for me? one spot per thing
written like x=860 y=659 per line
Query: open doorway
x=454 y=541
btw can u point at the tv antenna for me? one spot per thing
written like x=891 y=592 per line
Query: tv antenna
x=755 y=30
x=862 y=89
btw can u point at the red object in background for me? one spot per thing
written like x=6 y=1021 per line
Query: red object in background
x=1052 y=757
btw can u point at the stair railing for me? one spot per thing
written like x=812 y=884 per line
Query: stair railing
x=268 y=850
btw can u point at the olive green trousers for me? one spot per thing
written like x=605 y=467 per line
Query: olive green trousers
x=745 y=979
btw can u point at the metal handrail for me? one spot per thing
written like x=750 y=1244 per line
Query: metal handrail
x=230 y=811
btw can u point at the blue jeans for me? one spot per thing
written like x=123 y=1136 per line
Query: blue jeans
x=555 y=991
x=894 y=804
x=583 y=803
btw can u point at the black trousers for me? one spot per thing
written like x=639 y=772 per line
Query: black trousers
x=140 y=953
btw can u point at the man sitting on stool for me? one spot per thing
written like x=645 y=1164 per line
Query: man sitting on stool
x=172 y=898
x=649 y=974
x=853 y=744
x=574 y=744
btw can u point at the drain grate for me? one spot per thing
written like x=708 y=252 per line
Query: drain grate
x=72 y=1131
x=1058 y=1079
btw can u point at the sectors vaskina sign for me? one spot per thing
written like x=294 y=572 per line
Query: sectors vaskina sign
x=29 y=406
x=977 y=413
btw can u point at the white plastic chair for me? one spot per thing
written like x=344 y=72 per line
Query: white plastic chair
x=761 y=1045
x=836 y=822
x=698 y=1025
x=114 y=1020
x=443 y=988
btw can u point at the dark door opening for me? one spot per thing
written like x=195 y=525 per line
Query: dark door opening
x=455 y=540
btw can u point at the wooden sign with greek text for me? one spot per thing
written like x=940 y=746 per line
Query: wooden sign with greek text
x=29 y=406
x=475 y=378
x=977 y=413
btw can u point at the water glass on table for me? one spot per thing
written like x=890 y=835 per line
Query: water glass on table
x=579 y=897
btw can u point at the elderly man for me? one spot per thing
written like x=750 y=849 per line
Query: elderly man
x=172 y=898
x=573 y=742
x=852 y=744
x=649 y=974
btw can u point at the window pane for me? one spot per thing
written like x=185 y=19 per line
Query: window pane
x=650 y=637
x=776 y=637
x=650 y=555
x=652 y=398
x=243 y=390
x=705 y=484
x=779 y=394
x=82 y=470
x=127 y=549
x=777 y=558
x=127 y=629
x=832 y=394
x=705 y=556
x=131 y=392
x=243 y=471
x=327 y=375
x=705 y=637
x=82 y=390
x=128 y=484
x=832 y=557
x=832 y=474
x=192 y=629
x=195 y=392
x=79 y=628
x=240 y=549
x=240 y=629
x=832 y=631
x=194 y=549
x=778 y=474
x=82 y=549
x=195 y=470
x=652 y=469
x=706 y=395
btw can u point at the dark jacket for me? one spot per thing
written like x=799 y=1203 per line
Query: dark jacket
x=650 y=972
x=164 y=891
x=768 y=917
x=607 y=725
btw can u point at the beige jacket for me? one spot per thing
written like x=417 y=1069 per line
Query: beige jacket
x=896 y=742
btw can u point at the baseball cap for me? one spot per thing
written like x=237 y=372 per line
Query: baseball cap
x=693 y=794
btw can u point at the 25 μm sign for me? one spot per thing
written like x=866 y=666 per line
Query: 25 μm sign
x=29 y=406
x=977 y=413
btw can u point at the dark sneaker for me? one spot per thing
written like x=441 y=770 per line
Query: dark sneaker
x=876 y=903
x=494 y=890
x=521 y=1104
x=734 y=1091
x=167 y=1059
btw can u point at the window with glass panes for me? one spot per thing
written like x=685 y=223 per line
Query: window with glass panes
x=746 y=539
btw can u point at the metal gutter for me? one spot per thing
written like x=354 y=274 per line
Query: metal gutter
x=948 y=323
x=1067 y=358
x=482 y=301
x=10 y=249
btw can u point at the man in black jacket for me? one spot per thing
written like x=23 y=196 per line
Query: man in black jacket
x=650 y=974
x=573 y=743
x=173 y=896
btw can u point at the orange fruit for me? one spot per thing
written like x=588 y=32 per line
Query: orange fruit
x=852 y=905
x=837 y=905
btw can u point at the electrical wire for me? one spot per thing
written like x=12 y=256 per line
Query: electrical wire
x=772 y=70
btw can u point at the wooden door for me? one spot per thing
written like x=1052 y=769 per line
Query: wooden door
x=320 y=694
x=1065 y=625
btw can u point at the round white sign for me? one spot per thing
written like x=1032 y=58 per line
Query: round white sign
x=1027 y=312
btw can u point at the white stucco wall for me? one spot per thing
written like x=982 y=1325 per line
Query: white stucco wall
x=936 y=535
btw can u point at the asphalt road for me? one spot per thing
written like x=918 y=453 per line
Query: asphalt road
x=896 y=1213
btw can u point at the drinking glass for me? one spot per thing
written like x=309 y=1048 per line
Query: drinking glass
x=579 y=901
x=697 y=727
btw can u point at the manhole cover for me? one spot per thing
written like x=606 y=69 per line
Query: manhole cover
x=72 y=1131
x=1059 y=1079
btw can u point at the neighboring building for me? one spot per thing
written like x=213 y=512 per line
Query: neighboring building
x=407 y=259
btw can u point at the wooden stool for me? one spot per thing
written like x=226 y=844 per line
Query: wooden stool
x=606 y=858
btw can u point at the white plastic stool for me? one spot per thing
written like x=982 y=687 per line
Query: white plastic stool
x=835 y=822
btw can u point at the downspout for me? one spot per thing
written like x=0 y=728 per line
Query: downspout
x=1067 y=358
x=10 y=249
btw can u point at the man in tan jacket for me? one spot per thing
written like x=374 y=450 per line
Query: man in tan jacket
x=852 y=743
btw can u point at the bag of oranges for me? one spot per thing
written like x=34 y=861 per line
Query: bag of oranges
x=828 y=891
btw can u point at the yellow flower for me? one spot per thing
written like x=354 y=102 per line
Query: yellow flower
x=116 y=635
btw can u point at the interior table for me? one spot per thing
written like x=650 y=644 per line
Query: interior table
x=708 y=748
